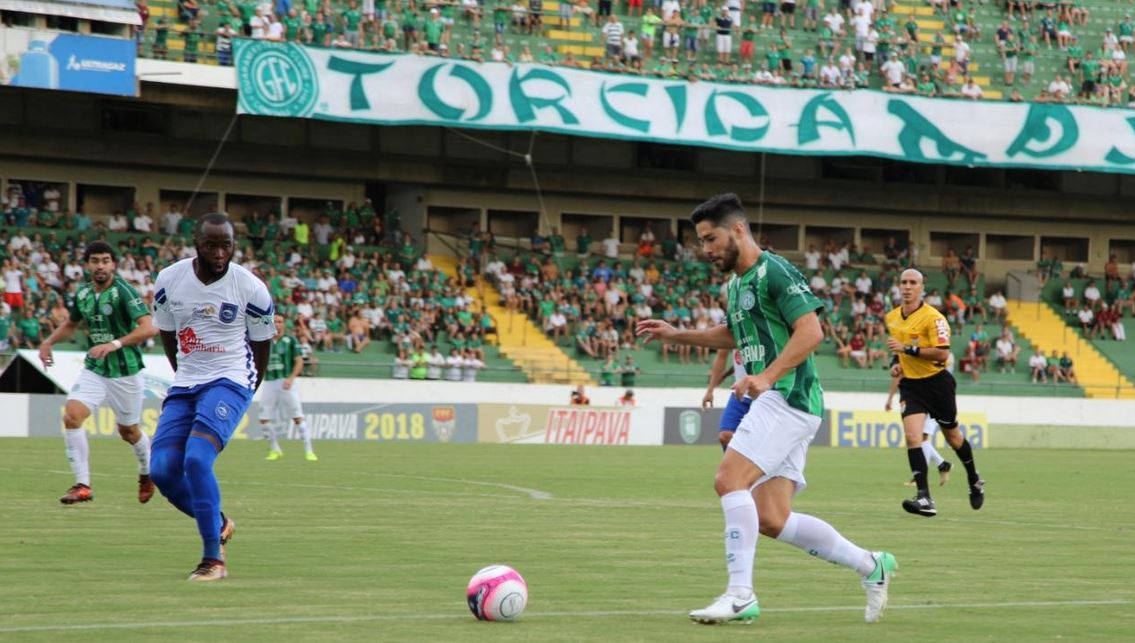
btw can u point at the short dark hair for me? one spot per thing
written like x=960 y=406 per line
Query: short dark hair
x=719 y=210
x=99 y=248
x=215 y=218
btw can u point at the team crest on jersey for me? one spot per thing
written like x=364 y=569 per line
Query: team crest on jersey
x=106 y=309
x=747 y=299
x=228 y=313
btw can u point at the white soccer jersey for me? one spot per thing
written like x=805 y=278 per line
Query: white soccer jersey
x=214 y=323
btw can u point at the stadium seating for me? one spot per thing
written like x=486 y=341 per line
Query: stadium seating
x=583 y=41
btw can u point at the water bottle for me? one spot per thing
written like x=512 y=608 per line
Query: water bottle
x=38 y=68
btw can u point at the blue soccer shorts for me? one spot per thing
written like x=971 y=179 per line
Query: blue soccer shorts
x=734 y=411
x=217 y=406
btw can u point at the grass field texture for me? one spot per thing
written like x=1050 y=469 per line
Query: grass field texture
x=377 y=542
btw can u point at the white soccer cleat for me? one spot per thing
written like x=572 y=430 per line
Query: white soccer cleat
x=876 y=585
x=730 y=606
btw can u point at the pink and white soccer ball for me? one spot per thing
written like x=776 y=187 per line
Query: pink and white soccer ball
x=497 y=593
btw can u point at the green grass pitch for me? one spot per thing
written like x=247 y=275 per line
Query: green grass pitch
x=377 y=542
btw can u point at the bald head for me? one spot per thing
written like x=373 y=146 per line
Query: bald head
x=911 y=284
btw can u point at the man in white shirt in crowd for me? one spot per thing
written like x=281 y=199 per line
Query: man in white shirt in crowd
x=454 y=363
x=171 y=219
x=117 y=222
x=812 y=259
x=1038 y=367
x=997 y=305
x=143 y=223
x=471 y=365
x=435 y=363
x=611 y=246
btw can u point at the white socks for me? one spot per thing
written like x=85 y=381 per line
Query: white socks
x=305 y=435
x=78 y=454
x=142 y=453
x=820 y=539
x=741 y=530
x=269 y=429
x=933 y=458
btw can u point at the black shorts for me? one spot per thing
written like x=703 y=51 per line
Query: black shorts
x=935 y=396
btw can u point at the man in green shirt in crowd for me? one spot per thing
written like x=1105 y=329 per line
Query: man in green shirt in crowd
x=583 y=243
x=279 y=400
x=293 y=24
x=607 y=374
x=351 y=19
x=192 y=37
x=118 y=321
x=556 y=241
x=419 y=365
x=627 y=371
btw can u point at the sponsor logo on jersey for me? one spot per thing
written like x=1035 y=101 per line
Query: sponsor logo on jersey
x=188 y=342
x=204 y=311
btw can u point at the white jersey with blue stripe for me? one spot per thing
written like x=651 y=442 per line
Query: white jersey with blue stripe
x=214 y=323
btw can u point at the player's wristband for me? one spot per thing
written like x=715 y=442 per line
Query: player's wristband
x=117 y=344
x=912 y=350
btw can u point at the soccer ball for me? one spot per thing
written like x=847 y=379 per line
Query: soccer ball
x=497 y=593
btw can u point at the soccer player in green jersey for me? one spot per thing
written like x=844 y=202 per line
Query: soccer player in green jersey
x=118 y=321
x=279 y=400
x=771 y=319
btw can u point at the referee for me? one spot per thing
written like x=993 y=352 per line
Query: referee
x=920 y=341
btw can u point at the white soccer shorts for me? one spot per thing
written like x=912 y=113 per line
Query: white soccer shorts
x=276 y=403
x=775 y=437
x=122 y=394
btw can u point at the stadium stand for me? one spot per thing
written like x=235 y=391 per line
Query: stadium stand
x=354 y=308
x=554 y=314
x=1009 y=53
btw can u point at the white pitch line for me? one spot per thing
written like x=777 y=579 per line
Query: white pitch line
x=289 y=620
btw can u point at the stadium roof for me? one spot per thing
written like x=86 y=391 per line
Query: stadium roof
x=117 y=11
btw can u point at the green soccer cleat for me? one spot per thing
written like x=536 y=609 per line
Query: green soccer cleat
x=877 y=583
x=310 y=456
x=729 y=607
x=274 y=455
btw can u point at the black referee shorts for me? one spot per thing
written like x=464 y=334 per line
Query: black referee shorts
x=935 y=396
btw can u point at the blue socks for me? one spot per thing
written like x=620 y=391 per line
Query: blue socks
x=186 y=479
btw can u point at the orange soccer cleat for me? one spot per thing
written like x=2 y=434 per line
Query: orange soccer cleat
x=78 y=493
x=145 y=488
x=209 y=569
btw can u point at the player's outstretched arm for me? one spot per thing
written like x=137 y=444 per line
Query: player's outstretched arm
x=63 y=331
x=929 y=353
x=716 y=337
x=169 y=345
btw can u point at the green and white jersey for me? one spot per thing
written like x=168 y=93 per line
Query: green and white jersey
x=282 y=358
x=763 y=304
x=110 y=315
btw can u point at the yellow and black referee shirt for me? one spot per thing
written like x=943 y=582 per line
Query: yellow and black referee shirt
x=924 y=328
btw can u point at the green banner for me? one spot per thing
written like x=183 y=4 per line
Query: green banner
x=366 y=87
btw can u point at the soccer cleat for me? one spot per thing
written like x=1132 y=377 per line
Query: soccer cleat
x=228 y=528
x=920 y=505
x=209 y=569
x=310 y=456
x=145 y=488
x=274 y=454
x=944 y=473
x=977 y=494
x=729 y=607
x=77 y=493
x=877 y=583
